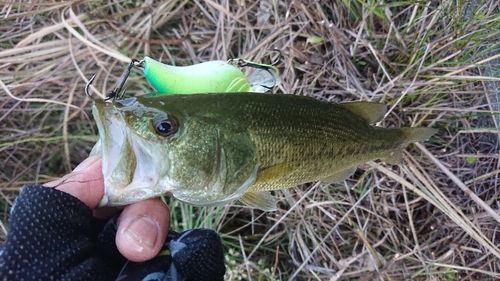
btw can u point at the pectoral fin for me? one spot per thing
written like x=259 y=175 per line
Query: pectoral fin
x=339 y=176
x=372 y=112
x=259 y=199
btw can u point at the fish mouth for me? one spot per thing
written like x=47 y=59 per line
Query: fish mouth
x=125 y=181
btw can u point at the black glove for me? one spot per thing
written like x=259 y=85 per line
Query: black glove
x=53 y=235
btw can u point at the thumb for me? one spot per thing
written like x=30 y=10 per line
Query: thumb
x=85 y=182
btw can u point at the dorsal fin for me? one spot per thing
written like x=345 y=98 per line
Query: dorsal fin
x=372 y=112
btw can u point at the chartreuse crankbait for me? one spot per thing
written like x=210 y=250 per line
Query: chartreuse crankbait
x=207 y=77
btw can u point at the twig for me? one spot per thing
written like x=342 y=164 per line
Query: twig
x=459 y=183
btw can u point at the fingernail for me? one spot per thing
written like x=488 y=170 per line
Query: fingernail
x=87 y=163
x=144 y=230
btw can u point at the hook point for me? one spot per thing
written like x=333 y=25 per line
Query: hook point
x=88 y=85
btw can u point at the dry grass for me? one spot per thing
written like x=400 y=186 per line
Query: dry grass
x=434 y=218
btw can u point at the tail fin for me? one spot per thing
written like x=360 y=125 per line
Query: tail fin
x=411 y=135
x=417 y=134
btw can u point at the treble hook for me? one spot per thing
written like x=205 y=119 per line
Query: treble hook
x=266 y=67
x=243 y=63
x=277 y=60
x=116 y=92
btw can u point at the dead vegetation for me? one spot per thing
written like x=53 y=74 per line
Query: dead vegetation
x=434 y=218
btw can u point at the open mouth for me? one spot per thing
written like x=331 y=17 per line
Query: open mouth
x=112 y=134
x=128 y=162
x=111 y=144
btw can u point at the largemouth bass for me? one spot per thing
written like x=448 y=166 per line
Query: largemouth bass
x=210 y=149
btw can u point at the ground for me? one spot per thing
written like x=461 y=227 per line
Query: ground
x=434 y=217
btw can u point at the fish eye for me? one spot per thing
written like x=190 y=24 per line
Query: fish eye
x=166 y=127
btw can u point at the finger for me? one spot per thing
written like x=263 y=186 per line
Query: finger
x=142 y=229
x=85 y=182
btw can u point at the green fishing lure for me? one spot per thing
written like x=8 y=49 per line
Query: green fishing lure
x=207 y=77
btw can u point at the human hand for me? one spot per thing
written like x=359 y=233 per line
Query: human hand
x=142 y=226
